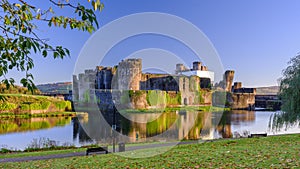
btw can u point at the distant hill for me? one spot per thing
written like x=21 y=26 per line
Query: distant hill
x=61 y=87
x=267 y=90
x=15 y=89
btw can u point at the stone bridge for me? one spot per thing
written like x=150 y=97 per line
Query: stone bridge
x=271 y=102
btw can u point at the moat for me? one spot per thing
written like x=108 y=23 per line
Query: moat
x=172 y=126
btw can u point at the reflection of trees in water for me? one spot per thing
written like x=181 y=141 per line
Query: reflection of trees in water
x=283 y=121
x=30 y=124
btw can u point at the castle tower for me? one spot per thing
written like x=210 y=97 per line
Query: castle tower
x=180 y=68
x=228 y=79
x=129 y=74
x=197 y=65
x=237 y=85
x=86 y=84
x=75 y=89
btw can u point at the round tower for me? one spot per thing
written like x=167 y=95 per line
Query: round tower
x=129 y=74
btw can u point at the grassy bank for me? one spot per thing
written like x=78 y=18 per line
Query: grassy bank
x=269 y=152
x=32 y=104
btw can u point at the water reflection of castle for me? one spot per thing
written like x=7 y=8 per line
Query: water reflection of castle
x=173 y=126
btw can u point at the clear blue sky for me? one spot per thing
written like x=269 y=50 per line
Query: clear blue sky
x=255 y=38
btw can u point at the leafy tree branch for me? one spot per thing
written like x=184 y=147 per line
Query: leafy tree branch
x=19 y=37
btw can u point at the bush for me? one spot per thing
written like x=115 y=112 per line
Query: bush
x=174 y=100
x=199 y=97
x=35 y=106
x=7 y=106
x=7 y=150
x=156 y=98
x=68 y=106
x=24 y=107
x=43 y=144
x=134 y=94
x=45 y=105
x=26 y=103
x=61 y=105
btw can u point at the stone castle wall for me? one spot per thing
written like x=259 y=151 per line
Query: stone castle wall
x=242 y=101
x=104 y=77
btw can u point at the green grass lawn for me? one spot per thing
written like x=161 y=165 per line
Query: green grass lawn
x=269 y=152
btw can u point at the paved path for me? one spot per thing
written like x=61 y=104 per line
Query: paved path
x=46 y=157
x=77 y=154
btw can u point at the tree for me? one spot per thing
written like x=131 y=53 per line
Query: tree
x=19 y=37
x=290 y=86
x=290 y=95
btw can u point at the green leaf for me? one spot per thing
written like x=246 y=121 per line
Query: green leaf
x=44 y=53
x=67 y=51
x=34 y=48
x=55 y=54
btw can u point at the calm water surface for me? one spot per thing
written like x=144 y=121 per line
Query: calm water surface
x=92 y=128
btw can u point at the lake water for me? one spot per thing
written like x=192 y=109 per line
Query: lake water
x=135 y=127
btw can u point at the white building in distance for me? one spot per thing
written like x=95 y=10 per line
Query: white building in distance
x=197 y=70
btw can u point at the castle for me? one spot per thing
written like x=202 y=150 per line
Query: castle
x=125 y=84
x=128 y=76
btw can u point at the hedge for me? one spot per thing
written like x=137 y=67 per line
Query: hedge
x=11 y=102
x=61 y=105
x=7 y=106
